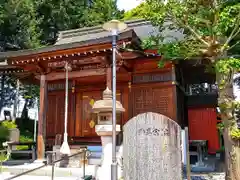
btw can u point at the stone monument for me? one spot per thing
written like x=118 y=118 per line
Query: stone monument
x=103 y=108
x=152 y=148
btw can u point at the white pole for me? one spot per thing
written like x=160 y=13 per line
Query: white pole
x=184 y=147
x=65 y=149
x=188 y=155
x=114 y=122
x=35 y=122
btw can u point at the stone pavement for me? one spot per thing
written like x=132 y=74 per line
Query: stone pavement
x=210 y=176
x=77 y=173
x=40 y=178
x=47 y=171
x=216 y=176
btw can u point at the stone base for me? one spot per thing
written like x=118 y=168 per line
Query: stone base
x=106 y=130
x=40 y=162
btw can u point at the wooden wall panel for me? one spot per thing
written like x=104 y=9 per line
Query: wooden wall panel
x=51 y=114
x=71 y=114
x=154 y=98
x=88 y=98
x=203 y=126
x=125 y=103
x=56 y=114
x=60 y=113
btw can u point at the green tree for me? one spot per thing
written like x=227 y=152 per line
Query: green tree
x=101 y=11
x=141 y=11
x=211 y=30
x=19 y=29
x=18 y=25
x=58 y=15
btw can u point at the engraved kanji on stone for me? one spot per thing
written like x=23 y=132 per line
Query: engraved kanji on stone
x=151 y=148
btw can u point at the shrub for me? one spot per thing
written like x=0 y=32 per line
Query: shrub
x=4 y=130
x=9 y=124
x=24 y=139
x=4 y=134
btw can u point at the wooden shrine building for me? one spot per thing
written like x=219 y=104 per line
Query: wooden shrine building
x=141 y=85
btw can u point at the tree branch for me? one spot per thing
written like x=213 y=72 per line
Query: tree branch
x=194 y=32
x=233 y=45
x=233 y=34
x=197 y=35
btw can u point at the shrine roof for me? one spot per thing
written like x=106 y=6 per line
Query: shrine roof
x=129 y=34
x=88 y=36
x=141 y=27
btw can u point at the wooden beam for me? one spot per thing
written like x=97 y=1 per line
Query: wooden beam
x=40 y=68
x=74 y=74
x=42 y=118
x=85 y=60
x=127 y=66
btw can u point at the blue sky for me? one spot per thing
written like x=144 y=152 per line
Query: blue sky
x=128 y=4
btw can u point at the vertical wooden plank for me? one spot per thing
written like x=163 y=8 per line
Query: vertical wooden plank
x=109 y=78
x=119 y=97
x=42 y=118
x=72 y=128
x=175 y=97
x=175 y=104
x=60 y=113
x=125 y=103
x=78 y=123
x=71 y=115
x=51 y=116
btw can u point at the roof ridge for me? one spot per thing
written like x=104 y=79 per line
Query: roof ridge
x=96 y=29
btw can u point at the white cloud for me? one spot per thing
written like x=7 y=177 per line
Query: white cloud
x=128 y=4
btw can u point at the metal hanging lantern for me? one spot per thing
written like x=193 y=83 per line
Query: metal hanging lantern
x=65 y=149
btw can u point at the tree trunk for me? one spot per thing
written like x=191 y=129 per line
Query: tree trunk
x=227 y=107
x=25 y=110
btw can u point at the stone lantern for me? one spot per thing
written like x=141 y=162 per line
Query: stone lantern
x=103 y=109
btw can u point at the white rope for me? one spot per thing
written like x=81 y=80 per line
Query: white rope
x=66 y=103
